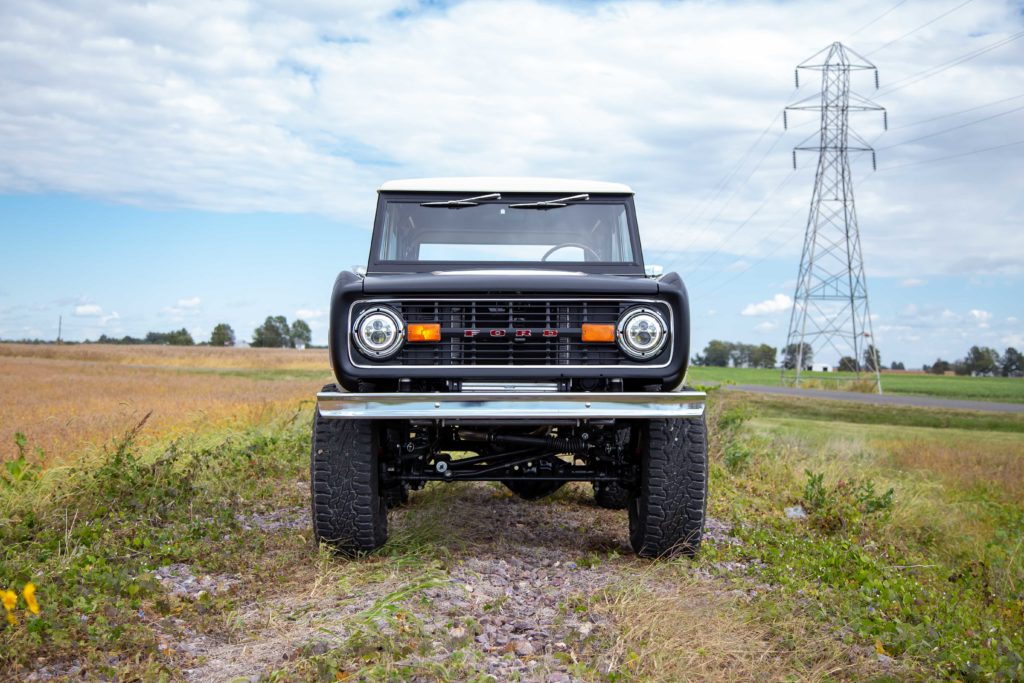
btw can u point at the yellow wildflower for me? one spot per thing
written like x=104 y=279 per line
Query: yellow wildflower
x=10 y=599
x=11 y=619
x=29 y=591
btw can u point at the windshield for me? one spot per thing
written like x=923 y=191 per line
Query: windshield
x=486 y=229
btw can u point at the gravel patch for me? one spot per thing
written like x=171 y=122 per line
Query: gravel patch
x=179 y=580
x=277 y=520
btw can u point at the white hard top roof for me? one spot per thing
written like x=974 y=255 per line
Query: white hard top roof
x=485 y=184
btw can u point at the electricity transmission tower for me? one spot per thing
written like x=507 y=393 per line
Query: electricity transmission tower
x=830 y=306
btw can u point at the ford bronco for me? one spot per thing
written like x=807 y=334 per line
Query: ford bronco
x=505 y=329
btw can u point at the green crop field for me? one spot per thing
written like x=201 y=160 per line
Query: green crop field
x=1002 y=389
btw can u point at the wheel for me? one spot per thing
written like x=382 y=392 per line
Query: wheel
x=535 y=490
x=611 y=495
x=666 y=512
x=349 y=512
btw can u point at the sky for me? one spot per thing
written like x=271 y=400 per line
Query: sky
x=184 y=164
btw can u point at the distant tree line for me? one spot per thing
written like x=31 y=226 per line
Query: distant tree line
x=721 y=354
x=275 y=332
x=174 y=338
x=982 y=360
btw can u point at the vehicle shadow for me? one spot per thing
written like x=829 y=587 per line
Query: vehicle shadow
x=486 y=518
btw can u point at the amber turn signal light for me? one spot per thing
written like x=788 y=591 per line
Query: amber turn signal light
x=598 y=333
x=424 y=332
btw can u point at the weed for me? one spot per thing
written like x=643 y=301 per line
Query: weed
x=843 y=504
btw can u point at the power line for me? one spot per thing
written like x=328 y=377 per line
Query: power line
x=705 y=203
x=951 y=129
x=728 y=201
x=956 y=61
x=771 y=234
x=924 y=25
x=953 y=156
x=725 y=240
x=880 y=16
x=956 y=113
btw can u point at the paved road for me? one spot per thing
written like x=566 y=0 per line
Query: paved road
x=890 y=399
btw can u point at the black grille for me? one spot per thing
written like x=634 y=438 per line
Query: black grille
x=512 y=332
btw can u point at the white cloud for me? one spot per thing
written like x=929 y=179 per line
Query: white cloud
x=981 y=316
x=766 y=326
x=306 y=112
x=779 y=302
x=95 y=311
x=308 y=314
x=1014 y=340
x=88 y=311
x=182 y=309
x=913 y=282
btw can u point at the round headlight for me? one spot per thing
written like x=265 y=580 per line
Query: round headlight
x=642 y=333
x=379 y=332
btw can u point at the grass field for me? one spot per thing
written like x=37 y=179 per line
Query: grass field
x=67 y=398
x=908 y=563
x=1004 y=389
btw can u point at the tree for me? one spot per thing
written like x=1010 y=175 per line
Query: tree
x=872 y=359
x=176 y=338
x=273 y=333
x=300 y=332
x=763 y=356
x=222 y=335
x=939 y=367
x=1013 y=363
x=982 y=360
x=897 y=365
x=793 y=352
x=717 y=353
x=848 y=364
x=741 y=355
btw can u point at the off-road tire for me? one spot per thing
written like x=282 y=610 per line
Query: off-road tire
x=611 y=495
x=349 y=512
x=666 y=512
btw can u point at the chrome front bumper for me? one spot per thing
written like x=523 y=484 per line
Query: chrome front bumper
x=498 y=405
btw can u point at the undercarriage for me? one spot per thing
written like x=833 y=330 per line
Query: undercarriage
x=597 y=451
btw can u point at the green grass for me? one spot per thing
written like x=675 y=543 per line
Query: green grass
x=908 y=549
x=890 y=557
x=770 y=405
x=1001 y=389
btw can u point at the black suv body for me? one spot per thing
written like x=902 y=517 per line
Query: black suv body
x=507 y=329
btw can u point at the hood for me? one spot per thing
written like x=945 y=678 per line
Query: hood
x=486 y=282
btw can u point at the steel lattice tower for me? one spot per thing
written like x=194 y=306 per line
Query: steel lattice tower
x=830 y=305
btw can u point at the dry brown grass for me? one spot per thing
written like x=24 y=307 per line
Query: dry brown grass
x=693 y=630
x=964 y=464
x=69 y=398
x=200 y=357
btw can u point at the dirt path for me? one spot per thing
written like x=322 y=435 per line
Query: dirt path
x=483 y=585
x=501 y=592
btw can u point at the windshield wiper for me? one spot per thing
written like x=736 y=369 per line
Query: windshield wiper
x=459 y=203
x=550 y=203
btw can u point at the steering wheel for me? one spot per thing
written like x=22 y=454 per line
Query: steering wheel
x=552 y=250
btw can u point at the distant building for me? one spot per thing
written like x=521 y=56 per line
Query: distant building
x=821 y=368
x=300 y=345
